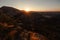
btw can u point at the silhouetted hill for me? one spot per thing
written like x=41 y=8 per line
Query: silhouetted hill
x=10 y=10
x=16 y=25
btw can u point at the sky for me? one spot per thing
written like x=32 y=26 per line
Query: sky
x=33 y=5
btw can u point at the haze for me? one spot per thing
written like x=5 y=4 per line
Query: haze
x=33 y=5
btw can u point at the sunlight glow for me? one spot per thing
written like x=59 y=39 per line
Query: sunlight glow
x=27 y=9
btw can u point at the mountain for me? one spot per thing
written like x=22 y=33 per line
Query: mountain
x=12 y=23
x=17 y=25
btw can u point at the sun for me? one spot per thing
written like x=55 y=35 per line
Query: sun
x=27 y=9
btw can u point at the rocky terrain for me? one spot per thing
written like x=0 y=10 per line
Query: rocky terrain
x=17 y=25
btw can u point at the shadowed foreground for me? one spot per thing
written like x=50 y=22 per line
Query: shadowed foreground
x=18 y=25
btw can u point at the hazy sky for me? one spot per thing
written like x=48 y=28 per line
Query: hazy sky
x=34 y=5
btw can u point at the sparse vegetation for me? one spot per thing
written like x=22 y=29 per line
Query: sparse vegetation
x=15 y=25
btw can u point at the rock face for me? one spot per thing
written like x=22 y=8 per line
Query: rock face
x=16 y=25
